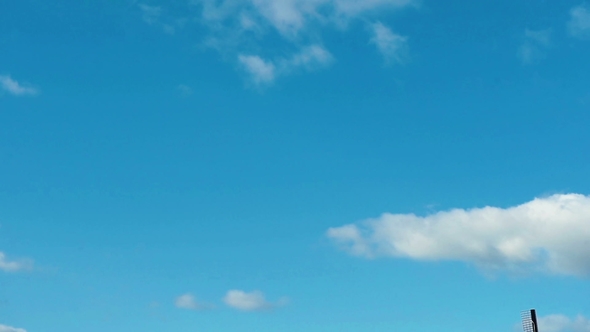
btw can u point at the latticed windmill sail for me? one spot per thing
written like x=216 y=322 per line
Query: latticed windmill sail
x=529 y=321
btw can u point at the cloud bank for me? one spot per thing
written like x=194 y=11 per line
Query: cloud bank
x=550 y=234
x=561 y=323
x=4 y=328
x=253 y=301
x=14 y=88
x=14 y=266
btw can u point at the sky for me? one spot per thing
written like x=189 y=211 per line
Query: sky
x=294 y=165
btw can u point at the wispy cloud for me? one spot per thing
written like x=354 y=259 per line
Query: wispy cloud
x=5 y=328
x=260 y=70
x=548 y=234
x=534 y=45
x=253 y=301
x=14 y=266
x=254 y=32
x=541 y=37
x=189 y=302
x=562 y=323
x=15 y=88
x=290 y=18
x=185 y=90
x=393 y=47
x=152 y=15
x=264 y=72
x=579 y=23
x=311 y=57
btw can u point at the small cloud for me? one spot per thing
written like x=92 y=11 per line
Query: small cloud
x=168 y=29
x=15 y=88
x=562 y=323
x=253 y=301
x=535 y=43
x=247 y=23
x=14 y=266
x=266 y=71
x=189 y=302
x=261 y=71
x=311 y=57
x=579 y=23
x=185 y=90
x=393 y=47
x=150 y=14
x=541 y=37
x=246 y=301
x=528 y=54
x=5 y=328
x=549 y=234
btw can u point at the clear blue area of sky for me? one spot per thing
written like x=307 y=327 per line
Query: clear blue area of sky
x=128 y=193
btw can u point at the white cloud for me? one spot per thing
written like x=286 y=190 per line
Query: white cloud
x=14 y=266
x=253 y=301
x=265 y=71
x=534 y=45
x=561 y=323
x=188 y=301
x=15 y=88
x=260 y=70
x=4 y=328
x=287 y=16
x=392 y=46
x=246 y=301
x=579 y=23
x=548 y=234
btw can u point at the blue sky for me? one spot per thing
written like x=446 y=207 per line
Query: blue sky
x=294 y=165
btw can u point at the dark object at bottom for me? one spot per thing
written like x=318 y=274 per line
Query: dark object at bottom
x=529 y=321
